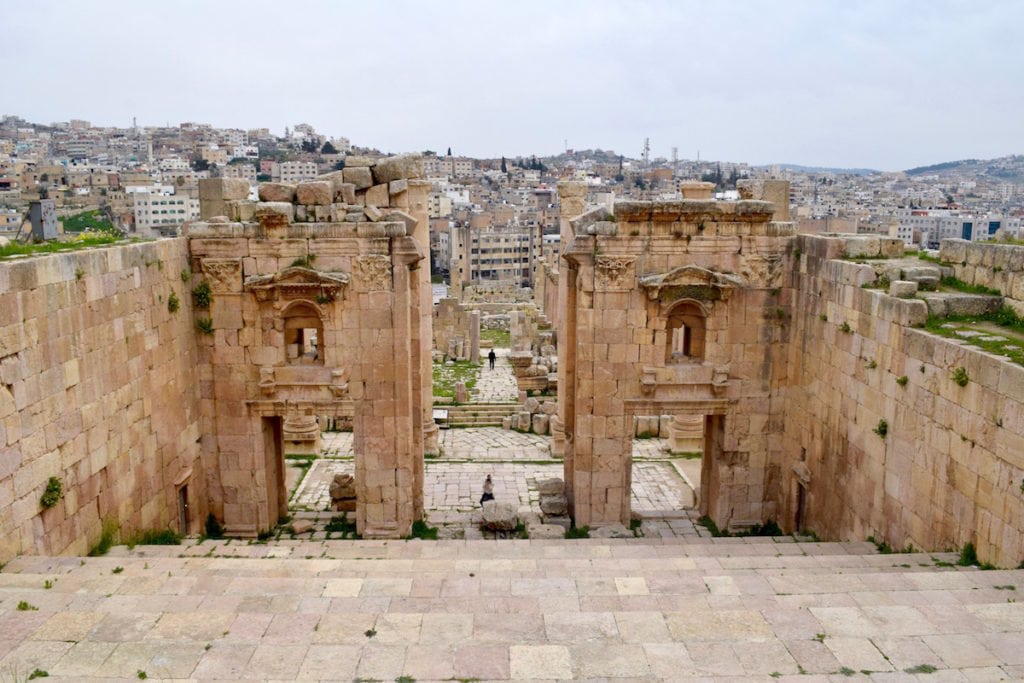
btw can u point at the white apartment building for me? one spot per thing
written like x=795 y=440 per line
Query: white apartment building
x=293 y=171
x=173 y=164
x=156 y=211
x=494 y=254
x=935 y=225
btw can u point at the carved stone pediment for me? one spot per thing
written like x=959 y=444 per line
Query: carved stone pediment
x=691 y=282
x=296 y=282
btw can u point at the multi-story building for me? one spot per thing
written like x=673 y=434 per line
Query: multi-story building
x=505 y=254
x=294 y=171
x=159 y=212
x=247 y=171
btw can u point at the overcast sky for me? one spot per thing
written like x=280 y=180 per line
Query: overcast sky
x=886 y=84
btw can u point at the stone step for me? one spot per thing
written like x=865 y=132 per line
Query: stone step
x=507 y=610
x=766 y=550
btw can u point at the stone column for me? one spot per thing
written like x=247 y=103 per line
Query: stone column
x=686 y=434
x=572 y=198
x=474 y=337
x=418 y=194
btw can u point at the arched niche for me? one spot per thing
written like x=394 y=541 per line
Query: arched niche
x=303 y=333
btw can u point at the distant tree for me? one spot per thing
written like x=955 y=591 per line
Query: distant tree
x=328 y=148
x=309 y=146
x=619 y=177
x=263 y=177
x=449 y=151
x=429 y=153
x=504 y=166
x=340 y=164
x=200 y=165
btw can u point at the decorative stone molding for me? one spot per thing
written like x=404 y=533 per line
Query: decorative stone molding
x=297 y=282
x=614 y=272
x=691 y=282
x=224 y=275
x=373 y=272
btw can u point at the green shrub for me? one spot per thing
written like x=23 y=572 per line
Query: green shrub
x=882 y=429
x=902 y=380
x=156 y=537
x=960 y=376
x=24 y=606
x=173 y=303
x=107 y=537
x=201 y=295
x=420 y=529
x=205 y=325
x=845 y=327
x=53 y=493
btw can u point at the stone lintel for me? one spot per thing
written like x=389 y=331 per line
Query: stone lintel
x=691 y=276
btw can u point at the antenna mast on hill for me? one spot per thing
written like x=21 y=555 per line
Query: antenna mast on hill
x=647 y=151
x=675 y=161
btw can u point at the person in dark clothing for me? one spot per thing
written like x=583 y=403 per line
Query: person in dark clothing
x=491 y=357
x=488 y=490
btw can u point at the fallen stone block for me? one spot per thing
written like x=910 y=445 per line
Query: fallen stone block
x=545 y=531
x=499 y=516
x=612 y=531
x=555 y=505
x=550 y=487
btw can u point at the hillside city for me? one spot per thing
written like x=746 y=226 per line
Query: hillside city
x=490 y=219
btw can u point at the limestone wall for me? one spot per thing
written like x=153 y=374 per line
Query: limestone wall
x=98 y=387
x=950 y=467
x=990 y=264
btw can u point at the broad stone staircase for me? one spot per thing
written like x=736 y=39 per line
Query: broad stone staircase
x=641 y=609
x=479 y=414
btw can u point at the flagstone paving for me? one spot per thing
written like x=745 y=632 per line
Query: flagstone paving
x=663 y=488
x=638 y=609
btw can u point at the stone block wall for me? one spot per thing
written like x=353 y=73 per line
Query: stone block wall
x=98 y=388
x=950 y=467
x=621 y=277
x=989 y=264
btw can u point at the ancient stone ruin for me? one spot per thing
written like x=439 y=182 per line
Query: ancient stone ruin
x=795 y=364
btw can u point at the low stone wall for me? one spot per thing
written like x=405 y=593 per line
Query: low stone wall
x=99 y=389
x=882 y=439
x=989 y=264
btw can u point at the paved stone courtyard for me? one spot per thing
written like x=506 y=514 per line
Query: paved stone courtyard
x=640 y=610
x=662 y=487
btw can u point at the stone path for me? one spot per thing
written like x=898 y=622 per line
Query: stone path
x=497 y=385
x=662 y=488
x=640 y=609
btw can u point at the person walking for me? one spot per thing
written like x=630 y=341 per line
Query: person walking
x=488 y=490
x=491 y=357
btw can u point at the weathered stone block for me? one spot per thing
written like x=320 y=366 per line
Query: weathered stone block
x=277 y=192
x=360 y=177
x=540 y=423
x=378 y=196
x=499 y=516
x=902 y=288
x=398 y=167
x=556 y=505
x=315 y=192
x=550 y=487
x=223 y=189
